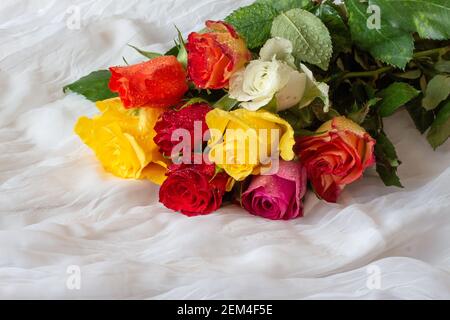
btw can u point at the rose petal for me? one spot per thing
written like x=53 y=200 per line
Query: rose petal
x=282 y=189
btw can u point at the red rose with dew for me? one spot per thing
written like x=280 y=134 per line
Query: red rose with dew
x=187 y=118
x=158 y=83
x=193 y=190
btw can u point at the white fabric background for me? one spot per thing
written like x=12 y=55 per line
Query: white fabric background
x=58 y=208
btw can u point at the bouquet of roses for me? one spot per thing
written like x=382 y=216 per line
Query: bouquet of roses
x=279 y=94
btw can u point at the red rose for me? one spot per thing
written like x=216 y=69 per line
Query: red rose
x=215 y=55
x=337 y=157
x=193 y=189
x=184 y=119
x=158 y=83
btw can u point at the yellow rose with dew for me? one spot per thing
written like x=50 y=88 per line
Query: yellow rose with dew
x=242 y=142
x=122 y=140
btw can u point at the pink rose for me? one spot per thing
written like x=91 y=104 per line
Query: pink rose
x=277 y=197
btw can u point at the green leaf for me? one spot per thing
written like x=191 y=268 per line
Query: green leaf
x=438 y=90
x=173 y=51
x=388 y=44
x=359 y=116
x=395 y=96
x=440 y=129
x=307 y=133
x=409 y=75
x=421 y=117
x=299 y=119
x=442 y=66
x=430 y=18
x=373 y=124
x=226 y=103
x=147 y=54
x=182 y=56
x=253 y=23
x=387 y=161
x=216 y=172
x=272 y=106
x=362 y=91
x=192 y=101
x=94 y=86
x=316 y=92
x=320 y=114
x=286 y=5
x=338 y=29
x=309 y=36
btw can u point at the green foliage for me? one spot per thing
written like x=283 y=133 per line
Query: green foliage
x=359 y=115
x=393 y=43
x=388 y=43
x=253 y=23
x=395 y=96
x=440 y=129
x=442 y=66
x=309 y=36
x=299 y=119
x=387 y=161
x=173 y=51
x=421 y=117
x=192 y=101
x=337 y=27
x=321 y=115
x=182 y=55
x=438 y=90
x=286 y=5
x=226 y=103
x=430 y=18
x=94 y=86
x=272 y=106
x=147 y=54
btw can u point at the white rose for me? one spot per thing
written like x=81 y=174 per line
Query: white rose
x=274 y=76
x=278 y=48
x=261 y=81
x=314 y=90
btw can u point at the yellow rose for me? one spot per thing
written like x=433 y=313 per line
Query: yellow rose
x=123 y=140
x=241 y=140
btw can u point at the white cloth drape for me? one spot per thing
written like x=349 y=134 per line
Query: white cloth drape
x=59 y=209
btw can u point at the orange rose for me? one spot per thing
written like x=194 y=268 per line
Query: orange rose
x=337 y=157
x=158 y=83
x=214 y=56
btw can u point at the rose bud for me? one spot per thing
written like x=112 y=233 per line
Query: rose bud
x=279 y=196
x=214 y=56
x=336 y=157
x=158 y=83
x=193 y=189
